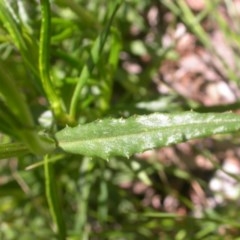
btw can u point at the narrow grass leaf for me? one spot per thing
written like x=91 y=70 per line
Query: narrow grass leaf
x=124 y=137
x=85 y=184
x=94 y=57
x=20 y=36
x=53 y=198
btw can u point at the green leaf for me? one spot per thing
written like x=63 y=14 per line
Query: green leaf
x=124 y=137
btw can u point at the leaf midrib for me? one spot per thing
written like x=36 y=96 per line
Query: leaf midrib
x=164 y=128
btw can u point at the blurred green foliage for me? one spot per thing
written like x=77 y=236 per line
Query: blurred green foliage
x=95 y=203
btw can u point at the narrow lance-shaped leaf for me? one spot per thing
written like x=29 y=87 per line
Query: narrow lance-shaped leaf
x=124 y=137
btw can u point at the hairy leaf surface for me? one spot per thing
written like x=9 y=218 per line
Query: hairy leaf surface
x=124 y=137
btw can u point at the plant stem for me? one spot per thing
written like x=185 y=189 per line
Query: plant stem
x=44 y=63
x=53 y=198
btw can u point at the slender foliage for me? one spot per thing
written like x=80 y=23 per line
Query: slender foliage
x=76 y=81
x=93 y=59
x=44 y=61
x=53 y=198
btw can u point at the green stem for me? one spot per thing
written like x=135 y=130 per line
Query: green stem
x=53 y=198
x=44 y=62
